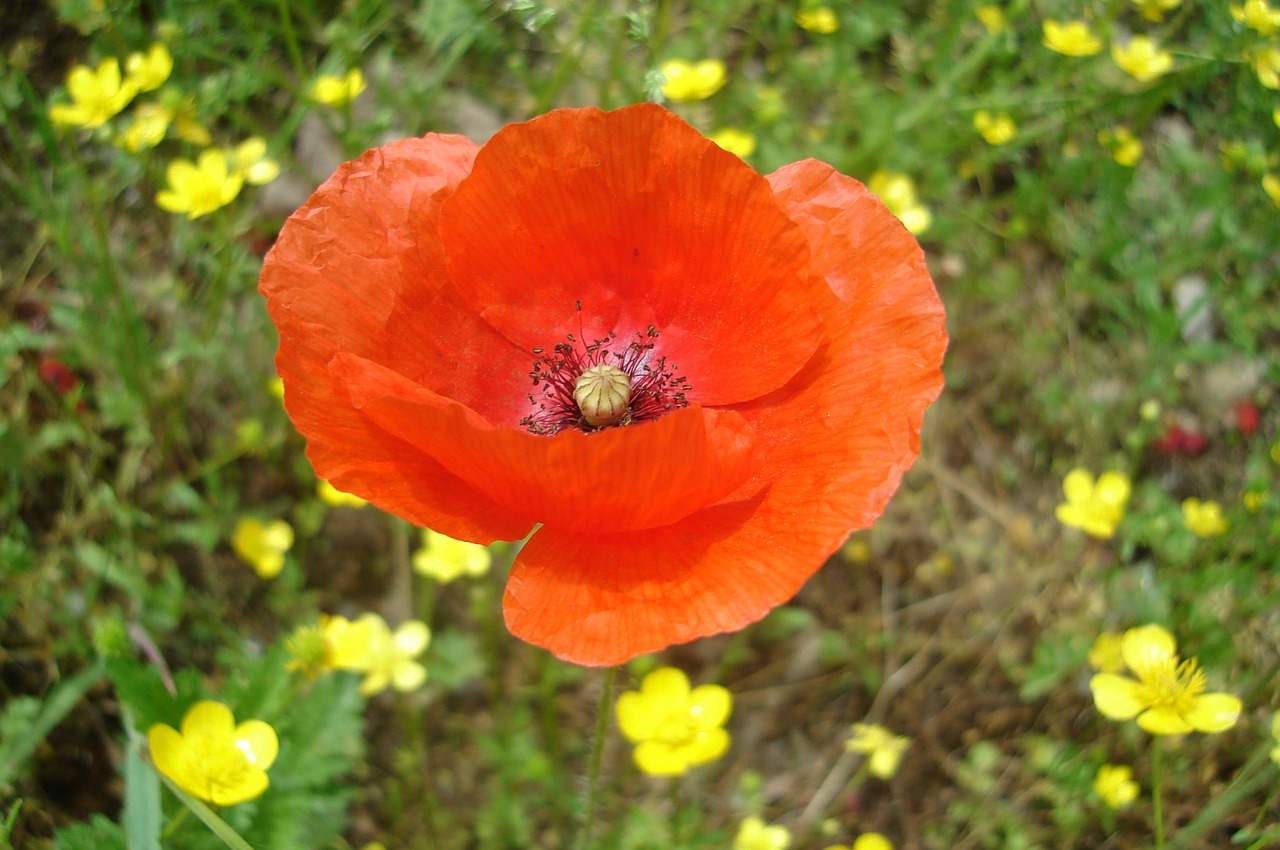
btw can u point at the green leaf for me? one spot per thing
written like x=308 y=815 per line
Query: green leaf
x=23 y=728
x=143 y=816
x=100 y=833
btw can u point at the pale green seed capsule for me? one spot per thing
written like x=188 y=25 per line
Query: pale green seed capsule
x=602 y=393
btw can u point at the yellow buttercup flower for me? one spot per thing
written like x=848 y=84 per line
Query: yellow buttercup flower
x=444 y=559
x=993 y=20
x=97 y=96
x=391 y=656
x=1205 y=518
x=865 y=841
x=1114 y=784
x=212 y=758
x=1166 y=694
x=1073 y=38
x=262 y=545
x=1266 y=64
x=335 y=498
x=1142 y=58
x=674 y=728
x=686 y=81
x=735 y=141
x=367 y=645
x=310 y=651
x=1275 y=116
x=1252 y=500
x=1105 y=655
x=1094 y=508
x=187 y=126
x=250 y=161
x=338 y=91
x=997 y=129
x=148 y=71
x=150 y=123
x=1275 y=736
x=899 y=194
x=1154 y=10
x=1258 y=16
x=821 y=20
x=199 y=188
x=753 y=834
x=1125 y=147
x=1271 y=185
x=882 y=748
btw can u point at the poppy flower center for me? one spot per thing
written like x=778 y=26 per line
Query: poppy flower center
x=602 y=385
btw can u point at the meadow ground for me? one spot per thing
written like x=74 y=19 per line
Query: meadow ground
x=1095 y=186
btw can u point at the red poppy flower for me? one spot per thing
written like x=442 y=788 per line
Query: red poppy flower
x=1248 y=418
x=759 y=353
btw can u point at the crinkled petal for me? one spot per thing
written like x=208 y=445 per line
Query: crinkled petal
x=611 y=480
x=1117 y=697
x=258 y=741
x=359 y=269
x=831 y=448
x=1214 y=712
x=642 y=221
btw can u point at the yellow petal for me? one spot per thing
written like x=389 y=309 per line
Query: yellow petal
x=408 y=676
x=709 y=706
x=208 y=718
x=251 y=784
x=707 y=746
x=1163 y=720
x=258 y=741
x=1215 y=712
x=666 y=686
x=167 y=750
x=635 y=719
x=1078 y=486
x=1116 y=697
x=658 y=759
x=412 y=637
x=1145 y=646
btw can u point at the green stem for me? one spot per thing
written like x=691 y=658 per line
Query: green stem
x=674 y=790
x=1248 y=779
x=291 y=42
x=568 y=59
x=1157 y=796
x=597 y=755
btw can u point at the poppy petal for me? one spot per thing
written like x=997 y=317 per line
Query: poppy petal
x=831 y=448
x=610 y=480
x=642 y=221
x=357 y=269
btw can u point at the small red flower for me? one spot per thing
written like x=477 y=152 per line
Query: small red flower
x=58 y=374
x=691 y=380
x=1181 y=441
x=1247 y=416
